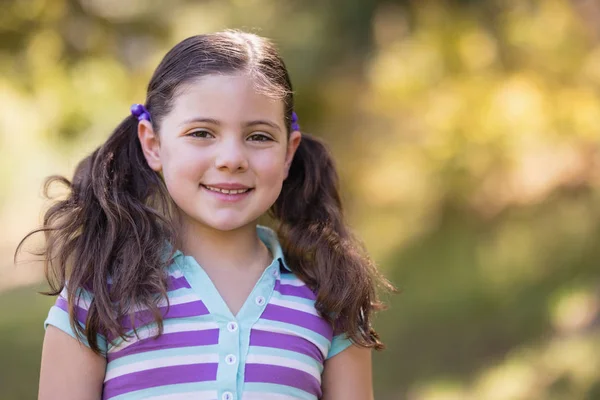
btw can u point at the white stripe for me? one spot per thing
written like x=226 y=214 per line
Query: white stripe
x=147 y=332
x=83 y=301
x=188 y=298
x=293 y=305
x=266 y=396
x=159 y=363
x=283 y=362
x=293 y=281
x=270 y=328
x=176 y=274
x=204 y=395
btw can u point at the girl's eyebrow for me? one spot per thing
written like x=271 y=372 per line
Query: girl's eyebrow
x=263 y=122
x=198 y=119
x=218 y=123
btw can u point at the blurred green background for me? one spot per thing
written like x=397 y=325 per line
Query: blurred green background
x=467 y=138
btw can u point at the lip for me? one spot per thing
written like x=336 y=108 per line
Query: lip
x=228 y=197
x=227 y=186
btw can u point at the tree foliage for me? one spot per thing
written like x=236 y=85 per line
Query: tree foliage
x=466 y=139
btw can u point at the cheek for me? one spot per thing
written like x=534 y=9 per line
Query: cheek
x=180 y=168
x=271 y=168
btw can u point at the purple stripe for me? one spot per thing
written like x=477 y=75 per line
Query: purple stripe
x=168 y=341
x=80 y=313
x=177 y=283
x=283 y=376
x=141 y=318
x=190 y=309
x=159 y=377
x=287 y=342
x=298 y=291
x=298 y=318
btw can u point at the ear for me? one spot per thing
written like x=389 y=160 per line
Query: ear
x=293 y=143
x=150 y=145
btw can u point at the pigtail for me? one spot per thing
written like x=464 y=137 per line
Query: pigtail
x=108 y=236
x=321 y=249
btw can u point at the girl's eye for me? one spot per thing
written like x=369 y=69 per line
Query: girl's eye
x=259 y=137
x=200 y=134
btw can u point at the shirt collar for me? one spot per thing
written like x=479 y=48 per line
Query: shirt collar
x=267 y=236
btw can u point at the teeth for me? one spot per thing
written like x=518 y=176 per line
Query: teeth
x=234 y=191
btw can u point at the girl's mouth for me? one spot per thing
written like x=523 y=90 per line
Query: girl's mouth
x=227 y=195
x=226 y=191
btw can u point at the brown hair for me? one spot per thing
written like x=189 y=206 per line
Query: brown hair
x=116 y=219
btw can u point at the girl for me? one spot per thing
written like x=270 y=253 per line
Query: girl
x=168 y=288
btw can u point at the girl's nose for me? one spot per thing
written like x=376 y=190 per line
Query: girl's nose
x=231 y=156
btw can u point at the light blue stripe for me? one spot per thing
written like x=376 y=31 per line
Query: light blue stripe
x=270 y=351
x=60 y=318
x=295 y=299
x=157 y=354
x=168 y=389
x=84 y=295
x=166 y=322
x=181 y=292
x=303 y=332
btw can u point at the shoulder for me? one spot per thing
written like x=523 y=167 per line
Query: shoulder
x=69 y=310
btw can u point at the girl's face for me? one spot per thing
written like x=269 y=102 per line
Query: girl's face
x=223 y=151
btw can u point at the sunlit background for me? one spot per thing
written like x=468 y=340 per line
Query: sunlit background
x=467 y=137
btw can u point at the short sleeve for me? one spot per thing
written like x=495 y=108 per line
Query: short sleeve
x=339 y=343
x=58 y=316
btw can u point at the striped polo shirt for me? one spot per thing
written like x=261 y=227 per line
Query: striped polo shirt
x=273 y=349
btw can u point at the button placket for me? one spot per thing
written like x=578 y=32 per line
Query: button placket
x=248 y=315
x=229 y=343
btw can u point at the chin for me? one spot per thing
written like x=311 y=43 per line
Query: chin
x=225 y=225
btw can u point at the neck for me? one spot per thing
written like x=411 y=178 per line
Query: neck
x=237 y=249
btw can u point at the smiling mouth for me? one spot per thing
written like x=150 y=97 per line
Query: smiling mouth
x=226 y=191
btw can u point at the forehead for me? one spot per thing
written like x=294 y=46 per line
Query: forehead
x=226 y=96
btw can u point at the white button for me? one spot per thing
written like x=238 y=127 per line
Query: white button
x=227 y=396
x=230 y=359
x=260 y=300
x=275 y=272
x=232 y=326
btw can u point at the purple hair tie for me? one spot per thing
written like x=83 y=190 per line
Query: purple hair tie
x=295 y=126
x=140 y=112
